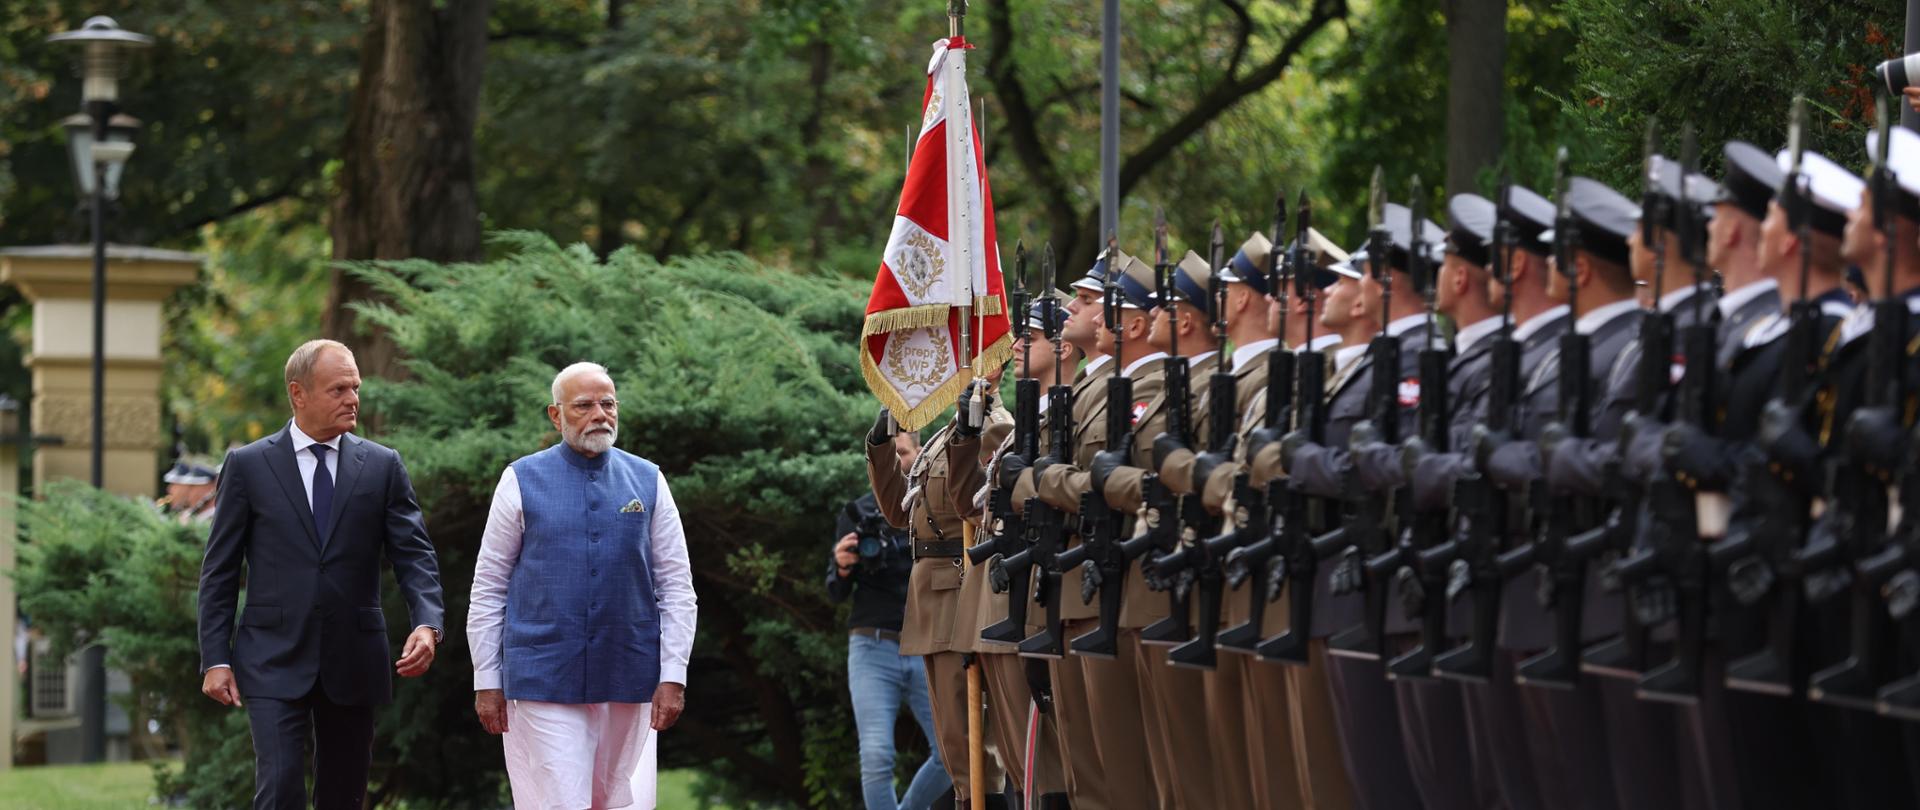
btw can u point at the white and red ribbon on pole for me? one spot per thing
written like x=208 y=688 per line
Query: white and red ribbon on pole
x=941 y=259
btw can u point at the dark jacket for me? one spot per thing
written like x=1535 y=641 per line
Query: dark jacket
x=878 y=586
x=313 y=603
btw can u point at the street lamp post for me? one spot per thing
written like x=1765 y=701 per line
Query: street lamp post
x=99 y=141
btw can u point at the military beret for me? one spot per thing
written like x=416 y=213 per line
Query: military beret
x=1834 y=191
x=1752 y=179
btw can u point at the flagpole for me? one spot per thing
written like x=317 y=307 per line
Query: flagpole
x=976 y=739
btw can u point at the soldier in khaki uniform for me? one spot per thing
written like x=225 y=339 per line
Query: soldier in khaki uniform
x=1126 y=729
x=1103 y=742
x=1175 y=697
x=939 y=625
x=1011 y=698
x=1288 y=726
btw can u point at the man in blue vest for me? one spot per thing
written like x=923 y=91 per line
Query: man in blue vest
x=583 y=609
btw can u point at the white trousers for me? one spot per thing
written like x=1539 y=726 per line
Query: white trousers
x=592 y=756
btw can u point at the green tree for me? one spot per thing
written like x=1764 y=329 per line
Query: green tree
x=1732 y=68
x=95 y=567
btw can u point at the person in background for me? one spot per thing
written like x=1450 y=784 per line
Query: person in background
x=871 y=564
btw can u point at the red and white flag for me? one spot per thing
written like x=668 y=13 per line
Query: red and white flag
x=940 y=257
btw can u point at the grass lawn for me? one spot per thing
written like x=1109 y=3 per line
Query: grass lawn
x=129 y=784
x=77 y=787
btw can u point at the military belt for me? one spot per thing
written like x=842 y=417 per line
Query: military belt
x=937 y=548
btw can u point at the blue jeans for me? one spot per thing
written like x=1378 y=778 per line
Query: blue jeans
x=880 y=678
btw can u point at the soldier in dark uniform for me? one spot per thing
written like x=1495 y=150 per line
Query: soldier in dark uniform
x=1368 y=711
x=1609 y=315
x=1733 y=244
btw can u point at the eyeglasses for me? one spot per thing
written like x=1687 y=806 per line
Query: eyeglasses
x=585 y=406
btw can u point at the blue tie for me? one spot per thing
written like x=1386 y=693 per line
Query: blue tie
x=322 y=492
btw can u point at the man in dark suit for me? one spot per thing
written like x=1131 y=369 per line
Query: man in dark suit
x=309 y=511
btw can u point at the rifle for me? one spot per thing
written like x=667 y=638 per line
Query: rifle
x=1202 y=556
x=1010 y=534
x=1486 y=508
x=1046 y=524
x=1676 y=549
x=1256 y=508
x=1757 y=558
x=1295 y=562
x=1424 y=530
x=1368 y=532
x=1167 y=514
x=1103 y=566
x=1559 y=666
x=1857 y=492
x=1626 y=655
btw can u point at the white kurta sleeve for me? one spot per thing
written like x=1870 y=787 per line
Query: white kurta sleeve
x=499 y=553
x=672 y=588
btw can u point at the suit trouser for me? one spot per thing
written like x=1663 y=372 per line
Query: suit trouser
x=1087 y=786
x=1119 y=728
x=1176 y=697
x=1504 y=764
x=1368 y=719
x=342 y=751
x=947 y=691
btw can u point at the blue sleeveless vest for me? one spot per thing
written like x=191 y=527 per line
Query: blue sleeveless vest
x=582 y=625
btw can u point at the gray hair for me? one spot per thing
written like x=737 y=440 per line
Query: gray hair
x=575 y=370
x=300 y=363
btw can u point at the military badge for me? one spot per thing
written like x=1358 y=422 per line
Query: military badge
x=633 y=506
x=1409 y=392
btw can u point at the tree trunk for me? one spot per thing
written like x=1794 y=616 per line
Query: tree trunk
x=1476 y=88
x=612 y=208
x=407 y=179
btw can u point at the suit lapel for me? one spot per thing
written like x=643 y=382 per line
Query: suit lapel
x=353 y=456
x=287 y=471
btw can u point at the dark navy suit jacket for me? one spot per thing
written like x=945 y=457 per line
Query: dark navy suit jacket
x=313 y=603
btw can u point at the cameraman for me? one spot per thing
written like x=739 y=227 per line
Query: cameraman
x=871 y=561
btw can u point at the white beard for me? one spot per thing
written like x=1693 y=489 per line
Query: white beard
x=594 y=442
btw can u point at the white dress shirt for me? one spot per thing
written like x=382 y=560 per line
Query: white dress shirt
x=500 y=552
x=1538 y=322
x=307 y=462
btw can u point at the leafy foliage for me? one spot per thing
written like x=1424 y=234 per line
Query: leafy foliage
x=96 y=567
x=1732 y=68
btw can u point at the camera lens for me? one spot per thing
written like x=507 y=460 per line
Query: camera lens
x=870 y=546
x=1898 y=74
